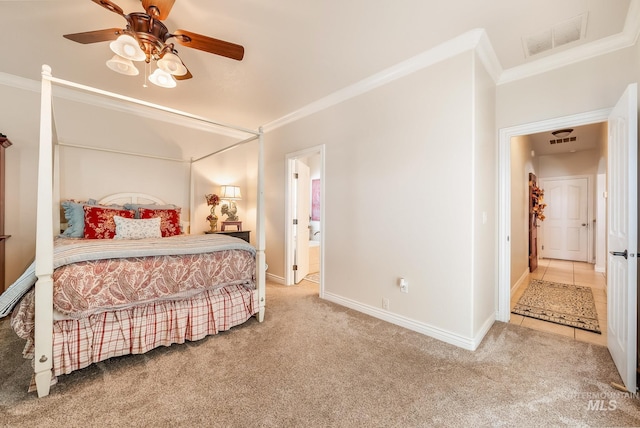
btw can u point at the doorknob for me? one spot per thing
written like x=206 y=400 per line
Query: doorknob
x=624 y=253
x=584 y=224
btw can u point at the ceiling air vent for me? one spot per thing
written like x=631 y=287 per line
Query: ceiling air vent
x=562 y=140
x=560 y=34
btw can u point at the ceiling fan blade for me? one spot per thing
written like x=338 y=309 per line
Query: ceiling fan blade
x=162 y=6
x=209 y=44
x=109 y=5
x=95 y=36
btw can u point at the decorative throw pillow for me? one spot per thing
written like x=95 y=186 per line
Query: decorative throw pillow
x=99 y=223
x=74 y=214
x=136 y=207
x=169 y=220
x=127 y=228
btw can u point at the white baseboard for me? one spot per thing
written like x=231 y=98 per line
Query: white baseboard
x=483 y=331
x=274 y=278
x=428 y=330
x=599 y=268
x=520 y=281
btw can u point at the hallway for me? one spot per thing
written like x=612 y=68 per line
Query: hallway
x=567 y=272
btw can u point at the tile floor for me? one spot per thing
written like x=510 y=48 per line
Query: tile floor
x=567 y=272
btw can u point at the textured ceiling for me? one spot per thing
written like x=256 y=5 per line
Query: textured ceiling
x=296 y=51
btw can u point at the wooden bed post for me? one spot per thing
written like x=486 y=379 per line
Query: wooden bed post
x=260 y=260
x=44 y=243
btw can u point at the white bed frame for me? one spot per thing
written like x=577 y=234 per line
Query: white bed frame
x=48 y=215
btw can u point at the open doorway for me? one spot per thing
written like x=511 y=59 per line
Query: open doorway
x=553 y=198
x=508 y=243
x=621 y=236
x=304 y=240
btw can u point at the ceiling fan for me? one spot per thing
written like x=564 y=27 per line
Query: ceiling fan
x=146 y=38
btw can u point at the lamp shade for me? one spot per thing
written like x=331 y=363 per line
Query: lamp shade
x=230 y=193
x=162 y=78
x=172 y=64
x=122 y=66
x=127 y=47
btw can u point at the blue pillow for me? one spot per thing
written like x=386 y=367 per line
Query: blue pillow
x=74 y=213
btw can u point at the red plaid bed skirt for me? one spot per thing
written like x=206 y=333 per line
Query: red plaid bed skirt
x=136 y=330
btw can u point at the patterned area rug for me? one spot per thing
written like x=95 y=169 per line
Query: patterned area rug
x=565 y=304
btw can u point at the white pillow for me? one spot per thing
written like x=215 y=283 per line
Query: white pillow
x=132 y=228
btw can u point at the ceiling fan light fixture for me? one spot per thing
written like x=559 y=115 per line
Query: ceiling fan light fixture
x=172 y=64
x=122 y=66
x=127 y=47
x=163 y=79
x=561 y=133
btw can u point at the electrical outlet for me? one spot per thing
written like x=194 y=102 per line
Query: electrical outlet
x=385 y=303
x=404 y=285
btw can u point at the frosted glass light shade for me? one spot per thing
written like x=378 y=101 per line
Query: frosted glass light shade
x=172 y=64
x=162 y=78
x=127 y=47
x=122 y=66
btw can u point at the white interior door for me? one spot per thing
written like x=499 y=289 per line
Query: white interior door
x=622 y=236
x=565 y=229
x=301 y=220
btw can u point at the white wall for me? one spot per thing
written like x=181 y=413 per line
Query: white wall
x=522 y=163
x=88 y=174
x=399 y=195
x=483 y=294
x=584 y=162
x=589 y=85
x=235 y=167
x=19 y=111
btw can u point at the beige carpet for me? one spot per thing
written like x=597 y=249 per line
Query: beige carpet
x=565 y=304
x=316 y=364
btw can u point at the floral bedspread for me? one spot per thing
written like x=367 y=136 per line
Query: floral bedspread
x=93 y=276
x=85 y=288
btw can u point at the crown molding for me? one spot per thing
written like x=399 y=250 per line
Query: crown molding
x=475 y=39
x=464 y=42
x=19 y=82
x=488 y=57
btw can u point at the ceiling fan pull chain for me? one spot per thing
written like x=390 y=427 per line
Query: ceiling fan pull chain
x=146 y=71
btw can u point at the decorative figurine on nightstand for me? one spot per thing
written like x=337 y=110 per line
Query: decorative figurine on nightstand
x=212 y=201
x=230 y=194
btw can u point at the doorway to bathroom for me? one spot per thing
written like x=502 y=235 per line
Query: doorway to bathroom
x=305 y=216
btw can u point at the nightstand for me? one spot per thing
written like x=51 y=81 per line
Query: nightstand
x=242 y=234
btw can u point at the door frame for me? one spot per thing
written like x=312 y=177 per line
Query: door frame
x=503 y=311
x=290 y=199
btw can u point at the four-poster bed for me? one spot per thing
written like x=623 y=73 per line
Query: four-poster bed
x=240 y=293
